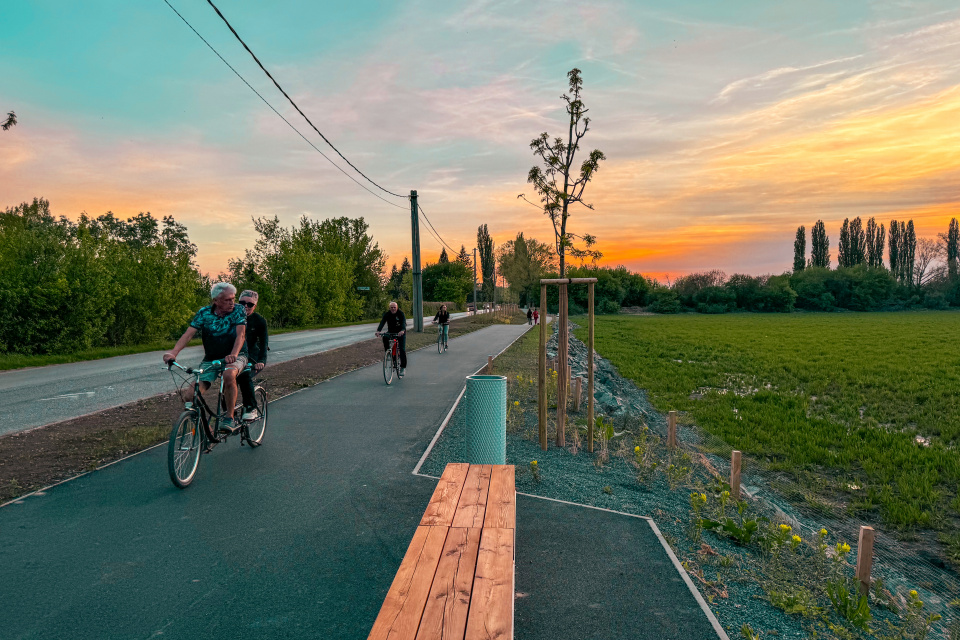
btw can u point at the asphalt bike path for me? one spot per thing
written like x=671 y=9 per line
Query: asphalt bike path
x=299 y=538
x=302 y=537
x=42 y=395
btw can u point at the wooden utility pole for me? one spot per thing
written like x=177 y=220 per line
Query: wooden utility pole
x=475 y=310
x=542 y=370
x=417 y=276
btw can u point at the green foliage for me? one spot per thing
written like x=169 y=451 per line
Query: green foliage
x=485 y=253
x=819 y=246
x=447 y=282
x=664 y=300
x=523 y=262
x=743 y=531
x=847 y=601
x=800 y=249
x=810 y=377
x=858 y=288
x=795 y=602
x=615 y=288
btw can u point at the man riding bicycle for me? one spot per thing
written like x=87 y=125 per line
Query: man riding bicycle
x=443 y=318
x=397 y=324
x=222 y=327
x=256 y=335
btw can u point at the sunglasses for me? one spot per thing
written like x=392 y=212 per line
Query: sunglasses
x=248 y=304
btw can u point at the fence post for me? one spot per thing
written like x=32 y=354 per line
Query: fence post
x=672 y=429
x=542 y=370
x=489 y=364
x=735 y=475
x=577 y=392
x=865 y=558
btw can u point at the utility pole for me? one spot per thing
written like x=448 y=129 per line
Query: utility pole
x=417 y=277
x=475 y=310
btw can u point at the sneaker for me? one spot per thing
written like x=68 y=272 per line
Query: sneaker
x=402 y=371
x=227 y=425
x=250 y=414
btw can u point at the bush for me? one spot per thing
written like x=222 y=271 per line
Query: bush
x=746 y=289
x=715 y=299
x=811 y=289
x=608 y=306
x=687 y=287
x=664 y=300
x=776 y=295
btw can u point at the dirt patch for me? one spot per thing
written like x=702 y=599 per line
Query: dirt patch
x=43 y=456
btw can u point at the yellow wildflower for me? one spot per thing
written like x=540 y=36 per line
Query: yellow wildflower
x=823 y=532
x=636 y=449
x=785 y=528
x=516 y=403
x=914 y=593
x=796 y=539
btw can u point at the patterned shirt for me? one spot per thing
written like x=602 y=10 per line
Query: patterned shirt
x=219 y=333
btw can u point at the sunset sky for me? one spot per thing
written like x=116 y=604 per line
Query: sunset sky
x=725 y=124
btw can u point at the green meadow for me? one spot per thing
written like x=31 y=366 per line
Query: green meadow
x=861 y=408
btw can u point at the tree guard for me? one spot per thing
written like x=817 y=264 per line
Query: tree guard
x=563 y=366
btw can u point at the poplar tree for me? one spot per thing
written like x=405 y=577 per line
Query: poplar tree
x=908 y=254
x=819 y=246
x=800 y=249
x=894 y=249
x=953 y=248
x=858 y=249
x=485 y=251
x=843 y=247
x=874 y=243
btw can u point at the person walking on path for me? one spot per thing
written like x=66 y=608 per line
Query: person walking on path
x=396 y=323
x=536 y=317
x=257 y=347
x=529 y=315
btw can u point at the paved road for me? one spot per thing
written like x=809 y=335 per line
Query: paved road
x=42 y=395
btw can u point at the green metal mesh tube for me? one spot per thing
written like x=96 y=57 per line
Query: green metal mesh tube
x=486 y=404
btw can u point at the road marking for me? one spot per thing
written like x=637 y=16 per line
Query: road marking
x=71 y=395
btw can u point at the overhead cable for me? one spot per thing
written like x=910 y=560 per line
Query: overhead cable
x=437 y=233
x=277 y=85
x=280 y=115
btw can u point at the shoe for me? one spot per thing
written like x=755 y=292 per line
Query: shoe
x=402 y=371
x=250 y=414
x=227 y=425
x=210 y=446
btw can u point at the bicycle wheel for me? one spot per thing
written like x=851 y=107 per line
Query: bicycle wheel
x=256 y=428
x=183 y=450
x=387 y=366
x=440 y=341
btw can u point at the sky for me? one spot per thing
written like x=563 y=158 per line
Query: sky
x=725 y=125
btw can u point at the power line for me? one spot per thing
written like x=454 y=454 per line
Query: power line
x=437 y=233
x=277 y=85
x=280 y=115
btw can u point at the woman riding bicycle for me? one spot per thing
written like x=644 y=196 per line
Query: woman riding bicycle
x=257 y=352
x=443 y=318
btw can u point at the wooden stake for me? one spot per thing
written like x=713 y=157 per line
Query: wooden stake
x=542 y=370
x=865 y=558
x=562 y=374
x=590 y=370
x=577 y=392
x=672 y=429
x=489 y=365
x=735 y=475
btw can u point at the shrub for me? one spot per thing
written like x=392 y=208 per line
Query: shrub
x=715 y=299
x=776 y=295
x=664 y=300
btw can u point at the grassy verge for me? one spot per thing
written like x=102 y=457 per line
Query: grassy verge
x=860 y=406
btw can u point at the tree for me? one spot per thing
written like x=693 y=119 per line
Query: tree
x=928 y=252
x=908 y=253
x=10 y=121
x=843 y=247
x=485 y=249
x=465 y=258
x=953 y=248
x=858 y=248
x=444 y=258
x=894 y=248
x=819 y=246
x=874 y=243
x=558 y=159
x=523 y=263
x=800 y=249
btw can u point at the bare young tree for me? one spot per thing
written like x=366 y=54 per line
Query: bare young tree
x=926 y=266
x=558 y=159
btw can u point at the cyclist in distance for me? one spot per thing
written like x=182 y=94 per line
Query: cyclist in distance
x=222 y=327
x=256 y=353
x=396 y=323
x=443 y=317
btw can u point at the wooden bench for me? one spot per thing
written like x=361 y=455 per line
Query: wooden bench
x=456 y=581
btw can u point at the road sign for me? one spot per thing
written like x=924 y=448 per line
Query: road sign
x=363 y=288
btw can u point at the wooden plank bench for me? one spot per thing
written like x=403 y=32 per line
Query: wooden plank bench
x=456 y=581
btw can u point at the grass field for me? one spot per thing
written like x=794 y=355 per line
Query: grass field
x=862 y=405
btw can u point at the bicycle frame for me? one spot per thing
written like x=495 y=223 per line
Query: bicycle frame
x=204 y=412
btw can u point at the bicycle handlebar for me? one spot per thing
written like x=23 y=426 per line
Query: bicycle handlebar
x=216 y=365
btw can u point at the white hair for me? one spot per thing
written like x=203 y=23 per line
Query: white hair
x=219 y=288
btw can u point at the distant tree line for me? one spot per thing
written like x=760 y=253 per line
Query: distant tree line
x=69 y=286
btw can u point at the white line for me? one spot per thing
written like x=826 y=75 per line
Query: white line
x=436 y=436
x=585 y=506
x=693 y=589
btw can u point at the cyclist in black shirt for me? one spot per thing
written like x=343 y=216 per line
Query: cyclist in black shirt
x=257 y=352
x=396 y=323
